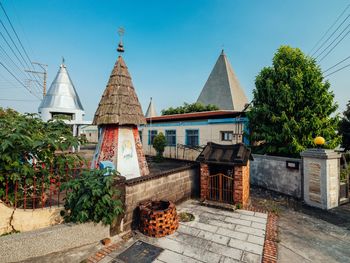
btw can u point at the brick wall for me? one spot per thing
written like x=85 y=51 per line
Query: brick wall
x=176 y=185
x=204 y=177
x=241 y=187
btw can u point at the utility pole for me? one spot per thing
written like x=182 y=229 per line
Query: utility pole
x=44 y=73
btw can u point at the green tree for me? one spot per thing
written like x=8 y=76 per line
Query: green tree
x=188 y=108
x=344 y=128
x=159 y=143
x=292 y=104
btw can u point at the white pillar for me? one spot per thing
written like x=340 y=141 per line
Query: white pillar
x=321 y=177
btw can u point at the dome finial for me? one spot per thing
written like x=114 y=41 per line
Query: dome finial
x=121 y=32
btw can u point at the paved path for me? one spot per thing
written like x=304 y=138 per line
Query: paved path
x=214 y=236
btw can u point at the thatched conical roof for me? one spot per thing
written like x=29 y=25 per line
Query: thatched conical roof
x=119 y=103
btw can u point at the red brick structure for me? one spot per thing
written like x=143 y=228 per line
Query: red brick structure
x=204 y=180
x=241 y=186
x=158 y=218
x=232 y=159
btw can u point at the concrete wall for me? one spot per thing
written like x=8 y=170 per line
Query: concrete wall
x=22 y=246
x=271 y=173
x=176 y=185
x=26 y=220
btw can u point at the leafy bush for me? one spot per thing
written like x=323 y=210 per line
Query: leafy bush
x=92 y=197
x=26 y=142
x=188 y=108
x=159 y=143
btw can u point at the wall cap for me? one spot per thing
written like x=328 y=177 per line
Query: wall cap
x=320 y=154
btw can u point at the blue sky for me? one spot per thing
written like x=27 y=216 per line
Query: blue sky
x=171 y=46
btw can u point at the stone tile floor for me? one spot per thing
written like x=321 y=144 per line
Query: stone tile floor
x=215 y=236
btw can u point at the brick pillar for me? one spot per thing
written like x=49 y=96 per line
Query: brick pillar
x=204 y=170
x=241 y=184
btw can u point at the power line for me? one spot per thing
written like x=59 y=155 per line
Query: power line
x=333 y=41
x=18 y=39
x=20 y=82
x=334 y=46
x=17 y=100
x=336 y=64
x=330 y=36
x=8 y=44
x=324 y=35
x=348 y=65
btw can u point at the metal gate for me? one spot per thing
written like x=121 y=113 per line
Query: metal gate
x=220 y=188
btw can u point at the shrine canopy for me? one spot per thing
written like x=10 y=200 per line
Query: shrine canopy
x=234 y=154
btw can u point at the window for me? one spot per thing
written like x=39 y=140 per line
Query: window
x=170 y=136
x=192 y=137
x=151 y=135
x=62 y=116
x=140 y=135
x=226 y=135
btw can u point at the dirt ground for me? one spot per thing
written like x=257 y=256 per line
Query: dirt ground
x=307 y=234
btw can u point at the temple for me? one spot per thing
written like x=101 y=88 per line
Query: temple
x=151 y=110
x=222 y=87
x=118 y=116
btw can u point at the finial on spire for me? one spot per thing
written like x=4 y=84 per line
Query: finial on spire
x=62 y=64
x=121 y=32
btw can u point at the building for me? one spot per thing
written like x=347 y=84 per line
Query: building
x=151 y=110
x=187 y=134
x=62 y=102
x=222 y=87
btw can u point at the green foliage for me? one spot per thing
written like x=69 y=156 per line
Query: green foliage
x=292 y=105
x=159 y=143
x=92 y=197
x=344 y=128
x=188 y=108
x=24 y=139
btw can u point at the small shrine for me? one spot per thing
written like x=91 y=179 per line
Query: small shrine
x=118 y=115
x=224 y=173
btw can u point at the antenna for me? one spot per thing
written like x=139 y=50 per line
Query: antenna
x=121 y=32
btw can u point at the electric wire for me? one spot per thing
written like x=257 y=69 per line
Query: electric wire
x=330 y=36
x=20 y=42
x=334 y=46
x=18 y=100
x=325 y=34
x=348 y=65
x=20 y=82
x=16 y=47
x=336 y=64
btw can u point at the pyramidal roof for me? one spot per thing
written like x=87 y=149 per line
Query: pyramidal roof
x=222 y=87
x=151 y=110
x=62 y=94
x=119 y=103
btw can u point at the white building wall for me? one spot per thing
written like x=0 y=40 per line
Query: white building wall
x=207 y=133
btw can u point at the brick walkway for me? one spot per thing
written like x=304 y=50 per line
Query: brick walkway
x=215 y=236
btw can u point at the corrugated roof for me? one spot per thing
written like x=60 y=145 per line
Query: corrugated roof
x=119 y=103
x=222 y=87
x=62 y=94
x=197 y=115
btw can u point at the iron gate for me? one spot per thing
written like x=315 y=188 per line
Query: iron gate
x=220 y=188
